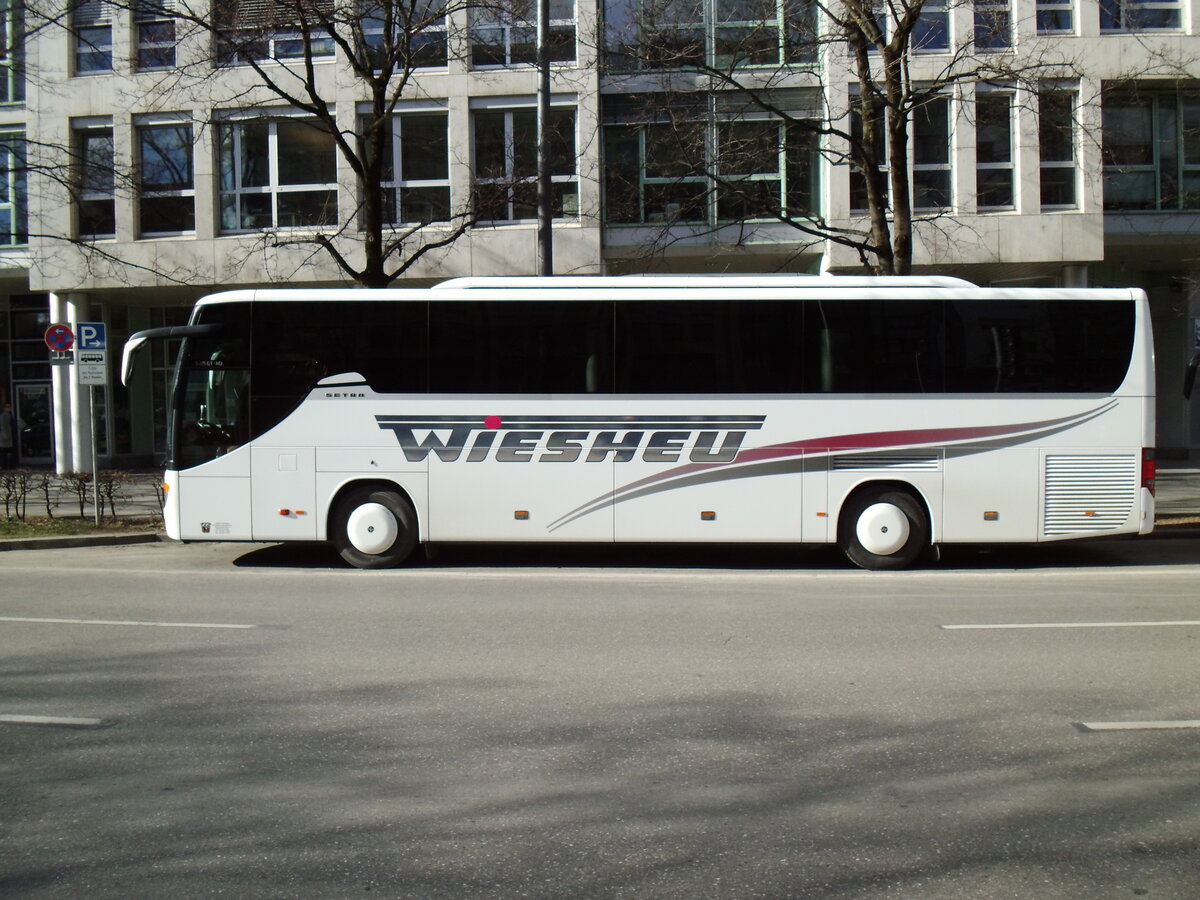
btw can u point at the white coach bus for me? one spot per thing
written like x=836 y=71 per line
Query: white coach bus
x=886 y=415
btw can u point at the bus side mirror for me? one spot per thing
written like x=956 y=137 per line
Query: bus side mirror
x=171 y=332
x=1189 y=380
x=132 y=346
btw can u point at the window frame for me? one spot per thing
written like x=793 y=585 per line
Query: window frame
x=1049 y=16
x=95 y=181
x=510 y=181
x=234 y=192
x=995 y=165
x=250 y=35
x=91 y=37
x=396 y=180
x=373 y=27
x=1121 y=16
x=154 y=52
x=187 y=191
x=915 y=167
x=12 y=53
x=14 y=188
x=690 y=40
x=1168 y=166
x=1050 y=131
x=993 y=26
x=507 y=22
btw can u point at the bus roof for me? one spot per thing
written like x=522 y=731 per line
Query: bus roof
x=635 y=282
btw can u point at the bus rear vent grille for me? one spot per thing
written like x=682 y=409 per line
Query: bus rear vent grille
x=1089 y=493
x=910 y=463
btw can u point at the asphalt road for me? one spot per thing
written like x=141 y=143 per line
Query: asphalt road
x=261 y=722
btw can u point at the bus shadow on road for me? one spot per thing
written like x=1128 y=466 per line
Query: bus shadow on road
x=1115 y=553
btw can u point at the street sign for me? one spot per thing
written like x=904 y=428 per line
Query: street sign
x=60 y=337
x=62 y=357
x=92 y=366
x=91 y=335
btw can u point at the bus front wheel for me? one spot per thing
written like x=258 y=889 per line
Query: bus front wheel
x=883 y=529
x=374 y=528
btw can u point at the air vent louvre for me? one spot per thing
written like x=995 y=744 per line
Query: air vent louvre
x=1089 y=493
x=925 y=463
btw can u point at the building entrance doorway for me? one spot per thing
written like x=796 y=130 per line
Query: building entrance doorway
x=35 y=441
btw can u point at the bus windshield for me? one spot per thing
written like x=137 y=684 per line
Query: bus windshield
x=212 y=388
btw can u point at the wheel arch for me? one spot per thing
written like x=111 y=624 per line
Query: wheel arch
x=387 y=484
x=886 y=484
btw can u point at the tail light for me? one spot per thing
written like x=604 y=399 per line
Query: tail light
x=1149 y=470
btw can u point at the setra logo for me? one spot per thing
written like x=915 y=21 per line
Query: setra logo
x=551 y=439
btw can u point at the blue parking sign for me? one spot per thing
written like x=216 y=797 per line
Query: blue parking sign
x=90 y=336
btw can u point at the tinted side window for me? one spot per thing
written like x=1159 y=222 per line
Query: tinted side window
x=521 y=347
x=1062 y=346
x=709 y=347
x=875 y=346
x=296 y=344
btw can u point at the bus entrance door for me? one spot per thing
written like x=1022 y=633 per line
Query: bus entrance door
x=284 y=488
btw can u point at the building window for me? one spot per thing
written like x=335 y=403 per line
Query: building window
x=993 y=151
x=279 y=173
x=251 y=30
x=506 y=164
x=417 y=33
x=1151 y=151
x=1140 y=15
x=14 y=196
x=166 y=194
x=506 y=34
x=91 y=32
x=706 y=168
x=97 y=183
x=154 y=34
x=929 y=156
x=677 y=34
x=993 y=25
x=1056 y=141
x=416 y=179
x=12 y=55
x=763 y=32
x=930 y=34
x=1055 y=16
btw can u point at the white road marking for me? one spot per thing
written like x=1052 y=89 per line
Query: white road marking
x=135 y=624
x=71 y=721
x=1140 y=726
x=1162 y=624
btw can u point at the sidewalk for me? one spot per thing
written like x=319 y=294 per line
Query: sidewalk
x=1177 y=509
x=1178 y=493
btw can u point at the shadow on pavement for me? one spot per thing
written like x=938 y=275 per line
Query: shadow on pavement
x=1162 y=550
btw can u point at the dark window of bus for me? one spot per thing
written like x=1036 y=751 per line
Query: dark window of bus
x=874 y=346
x=1041 y=346
x=296 y=344
x=211 y=408
x=709 y=347
x=520 y=347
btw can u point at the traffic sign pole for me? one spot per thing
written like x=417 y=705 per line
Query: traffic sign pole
x=92 y=371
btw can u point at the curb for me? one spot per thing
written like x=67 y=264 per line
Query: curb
x=67 y=541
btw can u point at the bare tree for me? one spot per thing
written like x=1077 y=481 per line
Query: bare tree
x=754 y=63
x=274 y=71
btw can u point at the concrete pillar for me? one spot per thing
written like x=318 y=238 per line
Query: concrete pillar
x=1192 y=339
x=81 y=410
x=62 y=378
x=1075 y=276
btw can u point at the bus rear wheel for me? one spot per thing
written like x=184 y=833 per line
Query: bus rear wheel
x=883 y=529
x=374 y=528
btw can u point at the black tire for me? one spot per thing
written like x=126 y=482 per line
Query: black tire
x=362 y=523
x=878 y=513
